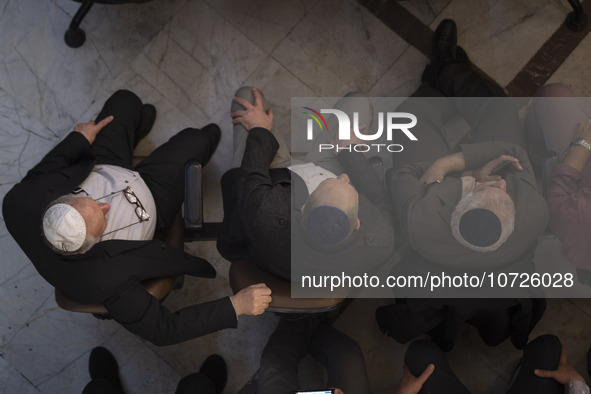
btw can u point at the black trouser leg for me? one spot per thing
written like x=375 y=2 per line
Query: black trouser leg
x=343 y=359
x=195 y=383
x=443 y=380
x=285 y=348
x=114 y=143
x=164 y=170
x=490 y=113
x=541 y=353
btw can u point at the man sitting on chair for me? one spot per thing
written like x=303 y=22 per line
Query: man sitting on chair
x=86 y=220
x=332 y=209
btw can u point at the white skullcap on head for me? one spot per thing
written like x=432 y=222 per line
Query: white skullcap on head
x=64 y=227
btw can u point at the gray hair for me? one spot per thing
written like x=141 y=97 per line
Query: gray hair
x=500 y=204
x=89 y=241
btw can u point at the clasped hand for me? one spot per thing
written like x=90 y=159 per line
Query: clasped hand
x=484 y=173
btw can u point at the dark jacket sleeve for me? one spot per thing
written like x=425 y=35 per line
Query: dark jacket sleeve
x=58 y=173
x=142 y=314
x=71 y=150
x=477 y=155
x=264 y=203
x=365 y=180
x=406 y=188
x=260 y=198
x=256 y=184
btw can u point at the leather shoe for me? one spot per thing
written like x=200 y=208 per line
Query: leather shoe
x=103 y=366
x=443 y=50
x=214 y=367
x=146 y=123
x=444 y=42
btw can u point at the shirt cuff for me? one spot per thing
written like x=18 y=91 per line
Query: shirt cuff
x=577 y=387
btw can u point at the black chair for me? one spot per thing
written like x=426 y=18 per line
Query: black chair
x=576 y=20
x=75 y=36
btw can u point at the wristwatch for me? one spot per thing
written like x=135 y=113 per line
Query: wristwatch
x=580 y=141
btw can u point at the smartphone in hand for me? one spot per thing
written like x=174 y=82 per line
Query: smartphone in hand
x=503 y=169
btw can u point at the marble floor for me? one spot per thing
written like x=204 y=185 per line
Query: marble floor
x=187 y=57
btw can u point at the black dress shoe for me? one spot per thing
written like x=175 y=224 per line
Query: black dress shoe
x=444 y=42
x=103 y=366
x=214 y=367
x=443 y=50
x=146 y=123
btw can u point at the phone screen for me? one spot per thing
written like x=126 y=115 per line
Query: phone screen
x=314 y=392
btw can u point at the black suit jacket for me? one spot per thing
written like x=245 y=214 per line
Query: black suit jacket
x=259 y=204
x=112 y=271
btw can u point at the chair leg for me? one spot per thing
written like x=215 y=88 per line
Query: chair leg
x=576 y=20
x=75 y=36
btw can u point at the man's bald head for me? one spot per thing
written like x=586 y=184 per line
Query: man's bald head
x=330 y=214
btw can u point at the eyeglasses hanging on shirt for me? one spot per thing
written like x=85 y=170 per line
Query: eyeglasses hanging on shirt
x=131 y=197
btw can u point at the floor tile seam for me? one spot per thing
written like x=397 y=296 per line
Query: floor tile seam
x=21 y=374
x=288 y=33
x=153 y=349
x=578 y=307
x=240 y=32
x=300 y=79
x=168 y=78
x=379 y=79
x=40 y=85
x=24 y=267
x=419 y=26
x=109 y=337
x=37 y=82
x=26 y=323
x=28 y=130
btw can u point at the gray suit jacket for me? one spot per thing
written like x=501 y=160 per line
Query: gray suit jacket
x=425 y=212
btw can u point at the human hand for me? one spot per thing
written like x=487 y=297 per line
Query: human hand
x=338 y=391
x=91 y=129
x=253 y=115
x=252 y=300
x=435 y=173
x=584 y=131
x=483 y=174
x=564 y=374
x=409 y=384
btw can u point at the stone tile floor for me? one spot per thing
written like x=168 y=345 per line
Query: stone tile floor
x=188 y=57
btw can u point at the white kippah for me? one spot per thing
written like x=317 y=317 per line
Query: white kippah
x=64 y=227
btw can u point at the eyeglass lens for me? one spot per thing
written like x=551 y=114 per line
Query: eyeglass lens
x=139 y=210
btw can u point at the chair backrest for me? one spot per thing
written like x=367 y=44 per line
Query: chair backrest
x=243 y=273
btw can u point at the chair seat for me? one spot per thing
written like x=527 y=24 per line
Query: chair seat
x=243 y=273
